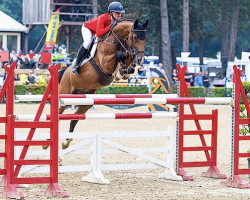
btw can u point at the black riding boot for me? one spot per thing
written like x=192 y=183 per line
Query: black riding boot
x=81 y=54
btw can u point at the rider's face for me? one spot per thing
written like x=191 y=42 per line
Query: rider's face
x=117 y=15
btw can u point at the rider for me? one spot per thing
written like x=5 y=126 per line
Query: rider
x=99 y=25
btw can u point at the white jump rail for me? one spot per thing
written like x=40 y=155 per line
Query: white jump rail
x=95 y=139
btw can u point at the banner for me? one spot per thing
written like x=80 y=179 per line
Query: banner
x=4 y=56
x=52 y=31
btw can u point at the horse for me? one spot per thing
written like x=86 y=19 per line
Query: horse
x=117 y=53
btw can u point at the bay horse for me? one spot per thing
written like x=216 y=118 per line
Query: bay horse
x=117 y=53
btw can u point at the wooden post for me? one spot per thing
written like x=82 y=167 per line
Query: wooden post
x=26 y=42
x=69 y=33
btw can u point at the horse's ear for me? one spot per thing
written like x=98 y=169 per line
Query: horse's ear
x=136 y=23
x=145 y=24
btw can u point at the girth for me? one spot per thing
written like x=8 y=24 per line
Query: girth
x=104 y=78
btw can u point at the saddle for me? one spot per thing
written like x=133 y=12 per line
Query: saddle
x=104 y=78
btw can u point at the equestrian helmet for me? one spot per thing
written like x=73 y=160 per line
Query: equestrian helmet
x=116 y=6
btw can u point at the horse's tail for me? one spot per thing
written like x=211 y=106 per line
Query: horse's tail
x=61 y=72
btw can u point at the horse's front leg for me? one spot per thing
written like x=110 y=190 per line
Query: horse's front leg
x=80 y=110
x=61 y=109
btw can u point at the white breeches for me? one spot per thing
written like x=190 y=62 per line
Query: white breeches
x=87 y=37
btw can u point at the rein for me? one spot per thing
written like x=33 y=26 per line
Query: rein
x=120 y=43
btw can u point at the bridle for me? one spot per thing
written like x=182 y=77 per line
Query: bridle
x=133 y=51
x=125 y=47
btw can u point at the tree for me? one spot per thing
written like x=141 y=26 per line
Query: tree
x=12 y=8
x=200 y=48
x=166 y=43
x=185 y=26
x=234 y=26
x=224 y=28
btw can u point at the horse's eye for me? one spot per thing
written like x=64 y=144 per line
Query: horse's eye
x=135 y=37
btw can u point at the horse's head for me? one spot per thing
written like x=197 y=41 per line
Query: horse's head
x=137 y=40
x=132 y=37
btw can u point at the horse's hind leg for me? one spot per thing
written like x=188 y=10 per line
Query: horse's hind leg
x=80 y=110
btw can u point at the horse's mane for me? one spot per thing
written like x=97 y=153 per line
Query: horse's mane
x=130 y=24
x=123 y=25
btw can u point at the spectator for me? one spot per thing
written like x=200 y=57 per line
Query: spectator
x=22 y=60
x=206 y=80
x=139 y=71
x=243 y=77
x=60 y=58
x=161 y=69
x=2 y=78
x=198 y=81
x=17 y=78
x=174 y=76
x=13 y=56
x=224 y=79
x=188 y=77
x=230 y=77
x=31 y=79
x=192 y=79
x=32 y=60
x=229 y=80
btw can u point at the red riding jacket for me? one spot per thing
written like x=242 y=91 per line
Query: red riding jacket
x=99 y=25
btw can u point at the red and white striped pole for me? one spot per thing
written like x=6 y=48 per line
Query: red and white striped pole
x=134 y=101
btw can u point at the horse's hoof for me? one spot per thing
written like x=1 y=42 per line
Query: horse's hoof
x=66 y=143
x=45 y=147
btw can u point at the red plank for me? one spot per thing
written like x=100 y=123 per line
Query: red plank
x=32 y=180
x=197 y=164
x=197 y=148
x=32 y=162
x=203 y=132
x=20 y=124
x=32 y=143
